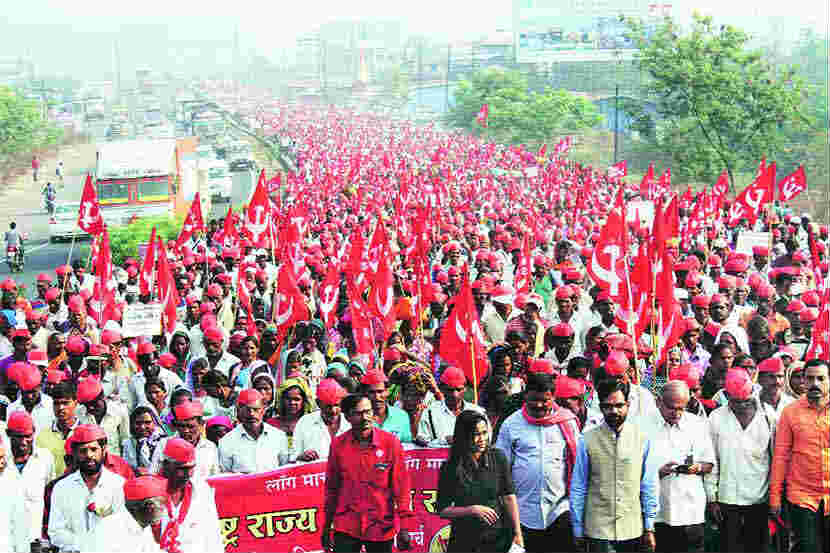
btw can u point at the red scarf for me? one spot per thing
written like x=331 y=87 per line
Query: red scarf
x=169 y=539
x=561 y=417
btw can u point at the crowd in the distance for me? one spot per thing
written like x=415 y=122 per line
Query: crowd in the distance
x=575 y=435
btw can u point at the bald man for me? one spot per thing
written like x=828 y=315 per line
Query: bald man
x=684 y=451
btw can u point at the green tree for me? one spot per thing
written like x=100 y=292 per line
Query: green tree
x=718 y=104
x=517 y=114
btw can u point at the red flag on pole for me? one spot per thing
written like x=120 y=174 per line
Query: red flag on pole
x=618 y=170
x=462 y=343
x=167 y=293
x=243 y=296
x=792 y=185
x=482 y=115
x=329 y=294
x=89 y=213
x=147 y=276
x=258 y=214
x=105 y=285
x=192 y=223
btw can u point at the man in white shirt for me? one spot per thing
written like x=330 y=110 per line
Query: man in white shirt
x=190 y=523
x=642 y=405
x=14 y=524
x=252 y=446
x=188 y=419
x=31 y=400
x=683 y=449
x=34 y=466
x=149 y=370
x=84 y=498
x=315 y=431
x=771 y=376
x=130 y=530
x=109 y=415
x=743 y=434
x=437 y=424
x=539 y=442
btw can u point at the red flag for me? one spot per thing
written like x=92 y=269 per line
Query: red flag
x=258 y=215
x=104 y=290
x=819 y=347
x=524 y=270
x=462 y=343
x=329 y=294
x=289 y=304
x=792 y=185
x=382 y=294
x=361 y=324
x=606 y=264
x=229 y=234
x=543 y=150
x=89 y=214
x=482 y=115
x=647 y=184
x=167 y=293
x=618 y=170
x=147 y=276
x=192 y=223
x=748 y=204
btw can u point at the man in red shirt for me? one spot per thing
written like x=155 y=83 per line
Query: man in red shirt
x=367 y=485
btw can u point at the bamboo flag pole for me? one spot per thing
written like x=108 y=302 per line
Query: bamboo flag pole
x=68 y=260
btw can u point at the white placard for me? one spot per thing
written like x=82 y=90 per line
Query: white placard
x=140 y=319
x=749 y=238
x=642 y=208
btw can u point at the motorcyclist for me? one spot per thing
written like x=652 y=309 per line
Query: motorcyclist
x=13 y=240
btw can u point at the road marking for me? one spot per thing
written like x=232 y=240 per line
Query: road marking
x=36 y=248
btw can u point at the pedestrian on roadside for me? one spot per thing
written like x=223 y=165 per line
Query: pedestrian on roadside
x=35 y=167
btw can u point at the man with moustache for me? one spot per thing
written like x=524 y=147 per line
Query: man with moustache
x=367 y=493
x=14 y=531
x=252 y=446
x=32 y=400
x=771 y=377
x=189 y=522
x=33 y=465
x=614 y=489
x=188 y=420
x=84 y=498
x=316 y=430
x=801 y=458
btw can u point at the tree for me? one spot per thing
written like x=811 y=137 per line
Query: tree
x=718 y=104
x=22 y=130
x=516 y=114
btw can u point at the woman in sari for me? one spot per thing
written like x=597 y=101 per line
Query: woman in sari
x=263 y=382
x=249 y=362
x=145 y=433
x=293 y=399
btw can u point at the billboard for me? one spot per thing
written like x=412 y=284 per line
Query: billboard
x=574 y=30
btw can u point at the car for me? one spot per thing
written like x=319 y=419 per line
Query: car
x=242 y=164
x=63 y=224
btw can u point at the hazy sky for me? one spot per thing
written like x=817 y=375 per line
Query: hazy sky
x=270 y=26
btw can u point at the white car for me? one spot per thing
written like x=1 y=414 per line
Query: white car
x=64 y=223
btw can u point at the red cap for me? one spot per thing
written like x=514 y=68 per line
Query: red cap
x=44 y=277
x=795 y=306
x=28 y=377
x=109 y=337
x=693 y=279
x=738 y=384
x=63 y=270
x=8 y=284
x=616 y=364
x=373 y=377
x=568 y=387
x=76 y=345
x=213 y=335
x=249 y=397
x=689 y=324
x=687 y=373
x=85 y=433
x=214 y=291
x=714 y=260
x=453 y=377
x=391 y=354
x=771 y=365
x=52 y=294
x=76 y=304
x=701 y=301
x=89 y=389
x=145 y=487
x=330 y=392
x=167 y=360
x=219 y=420
x=38 y=357
x=207 y=307
x=765 y=291
x=808 y=315
x=180 y=450
x=810 y=298
x=736 y=265
x=21 y=333
x=20 y=422
x=562 y=330
x=761 y=251
x=188 y=410
x=544 y=366
x=54 y=376
x=564 y=292
x=146 y=348
x=603 y=296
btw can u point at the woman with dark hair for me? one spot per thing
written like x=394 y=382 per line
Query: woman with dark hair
x=145 y=433
x=293 y=399
x=475 y=491
x=263 y=382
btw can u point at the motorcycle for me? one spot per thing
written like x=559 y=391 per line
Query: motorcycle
x=15 y=257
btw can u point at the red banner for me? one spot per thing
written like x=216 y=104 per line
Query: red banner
x=283 y=510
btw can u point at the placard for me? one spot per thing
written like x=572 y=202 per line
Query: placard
x=749 y=238
x=644 y=209
x=141 y=319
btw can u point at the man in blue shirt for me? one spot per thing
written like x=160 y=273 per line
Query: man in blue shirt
x=614 y=489
x=387 y=417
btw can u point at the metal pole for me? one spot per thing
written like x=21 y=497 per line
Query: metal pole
x=616 y=118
